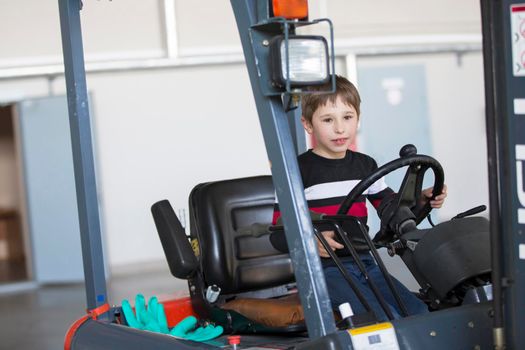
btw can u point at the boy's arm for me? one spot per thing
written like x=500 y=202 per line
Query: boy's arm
x=377 y=198
x=436 y=203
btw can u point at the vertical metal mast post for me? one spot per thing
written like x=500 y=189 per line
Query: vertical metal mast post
x=504 y=52
x=82 y=153
x=286 y=177
x=490 y=46
x=296 y=127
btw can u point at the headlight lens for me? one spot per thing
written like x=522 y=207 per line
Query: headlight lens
x=307 y=62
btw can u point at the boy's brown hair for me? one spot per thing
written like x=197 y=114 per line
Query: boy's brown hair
x=343 y=88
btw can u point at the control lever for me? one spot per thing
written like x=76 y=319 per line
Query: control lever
x=470 y=212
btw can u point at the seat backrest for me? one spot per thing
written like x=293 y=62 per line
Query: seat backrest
x=236 y=262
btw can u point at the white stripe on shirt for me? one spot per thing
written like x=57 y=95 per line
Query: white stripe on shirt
x=339 y=189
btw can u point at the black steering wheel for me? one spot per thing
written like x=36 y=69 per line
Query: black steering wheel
x=408 y=199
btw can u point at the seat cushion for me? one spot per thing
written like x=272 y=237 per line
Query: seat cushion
x=281 y=312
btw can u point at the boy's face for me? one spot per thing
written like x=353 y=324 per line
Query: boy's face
x=334 y=127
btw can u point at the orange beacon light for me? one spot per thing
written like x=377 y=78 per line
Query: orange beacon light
x=290 y=9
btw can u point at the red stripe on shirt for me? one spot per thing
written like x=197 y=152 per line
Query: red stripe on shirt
x=357 y=209
x=276 y=216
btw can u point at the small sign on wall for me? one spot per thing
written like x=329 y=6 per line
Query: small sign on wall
x=518 y=39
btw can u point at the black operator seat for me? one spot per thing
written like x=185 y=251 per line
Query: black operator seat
x=231 y=259
x=255 y=279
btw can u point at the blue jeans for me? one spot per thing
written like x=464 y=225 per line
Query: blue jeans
x=340 y=291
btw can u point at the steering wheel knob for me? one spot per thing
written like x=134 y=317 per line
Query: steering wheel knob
x=407 y=150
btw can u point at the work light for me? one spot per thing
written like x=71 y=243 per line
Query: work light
x=301 y=60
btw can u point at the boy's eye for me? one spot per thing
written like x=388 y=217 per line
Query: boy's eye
x=348 y=117
x=327 y=120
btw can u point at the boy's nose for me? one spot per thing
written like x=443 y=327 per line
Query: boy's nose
x=339 y=128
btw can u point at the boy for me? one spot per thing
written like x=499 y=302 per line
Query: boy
x=329 y=171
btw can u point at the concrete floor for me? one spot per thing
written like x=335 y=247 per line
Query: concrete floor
x=39 y=318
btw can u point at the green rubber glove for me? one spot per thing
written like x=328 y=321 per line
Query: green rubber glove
x=152 y=318
x=186 y=329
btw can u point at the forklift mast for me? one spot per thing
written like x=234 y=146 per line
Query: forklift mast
x=503 y=24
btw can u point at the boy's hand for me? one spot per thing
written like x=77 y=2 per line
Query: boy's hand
x=329 y=236
x=439 y=200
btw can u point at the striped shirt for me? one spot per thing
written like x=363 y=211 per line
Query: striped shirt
x=328 y=181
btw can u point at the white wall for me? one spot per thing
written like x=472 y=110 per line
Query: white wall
x=157 y=138
x=159 y=132
x=355 y=18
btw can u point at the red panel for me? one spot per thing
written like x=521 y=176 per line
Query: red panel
x=177 y=310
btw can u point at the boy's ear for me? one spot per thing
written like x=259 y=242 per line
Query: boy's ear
x=306 y=125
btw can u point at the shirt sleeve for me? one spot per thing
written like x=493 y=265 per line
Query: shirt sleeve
x=277 y=238
x=379 y=189
x=378 y=197
x=276 y=214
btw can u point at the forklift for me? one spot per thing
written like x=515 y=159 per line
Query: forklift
x=477 y=298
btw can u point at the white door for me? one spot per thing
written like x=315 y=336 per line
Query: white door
x=50 y=190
